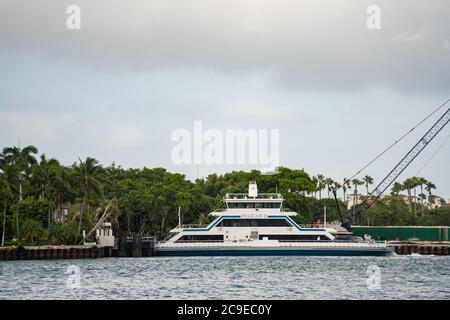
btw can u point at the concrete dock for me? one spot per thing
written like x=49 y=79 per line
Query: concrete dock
x=441 y=248
x=124 y=247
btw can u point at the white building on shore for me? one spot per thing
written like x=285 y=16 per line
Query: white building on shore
x=435 y=203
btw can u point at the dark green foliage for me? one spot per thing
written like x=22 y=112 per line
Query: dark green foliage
x=36 y=194
x=65 y=233
x=32 y=209
x=436 y=217
x=391 y=211
x=32 y=232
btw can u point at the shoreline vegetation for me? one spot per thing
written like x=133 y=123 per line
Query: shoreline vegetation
x=46 y=203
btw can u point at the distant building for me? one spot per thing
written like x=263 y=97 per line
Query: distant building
x=446 y=205
x=354 y=199
x=60 y=214
x=435 y=203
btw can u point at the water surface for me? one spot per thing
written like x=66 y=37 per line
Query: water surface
x=400 y=277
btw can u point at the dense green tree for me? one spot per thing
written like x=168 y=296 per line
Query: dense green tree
x=390 y=211
x=9 y=185
x=88 y=175
x=46 y=176
x=65 y=233
x=35 y=196
x=23 y=159
x=32 y=208
x=32 y=232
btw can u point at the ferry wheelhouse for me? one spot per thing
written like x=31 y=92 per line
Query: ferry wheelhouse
x=259 y=225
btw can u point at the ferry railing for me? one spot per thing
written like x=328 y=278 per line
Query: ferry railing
x=200 y=241
x=335 y=241
x=192 y=226
x=240 y=196
x=286 y=241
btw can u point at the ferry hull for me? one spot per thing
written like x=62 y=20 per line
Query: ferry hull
x=205 y=252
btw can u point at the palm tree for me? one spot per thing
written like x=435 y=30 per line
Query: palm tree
x=345 y=186
x=329 y=183
x=335 y=186
x=87 y=176
x=429 y=187
x=46 y=174
x=356 y=183
x=422 y=181
x=9 y=185
x=397 y=187
x=43 y=174
x=22 y=158
x=320 y=184
x=316 y=186
x=368 y=180
x=410 y=185
x=61 y=188
x=422 y=197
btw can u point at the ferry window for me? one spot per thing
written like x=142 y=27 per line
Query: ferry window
x=250 y=205
x=271 y=205
x=258 y=205
x=211 y=237
x=294 y=237
x=254 y=223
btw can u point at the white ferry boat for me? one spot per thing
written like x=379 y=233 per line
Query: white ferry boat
x=258 y=225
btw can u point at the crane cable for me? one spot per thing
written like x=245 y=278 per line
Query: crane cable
x=400 y=139
x=434 y=155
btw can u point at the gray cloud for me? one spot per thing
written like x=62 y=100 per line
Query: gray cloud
x=303 y=45
x=138 y=70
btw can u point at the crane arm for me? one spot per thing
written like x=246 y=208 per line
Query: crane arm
x=405 y=162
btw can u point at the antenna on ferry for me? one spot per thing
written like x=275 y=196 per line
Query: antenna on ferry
x=179 y=217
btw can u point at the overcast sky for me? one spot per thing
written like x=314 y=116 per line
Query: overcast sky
x=137 y=70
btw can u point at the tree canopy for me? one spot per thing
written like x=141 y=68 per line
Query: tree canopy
x=46 y=202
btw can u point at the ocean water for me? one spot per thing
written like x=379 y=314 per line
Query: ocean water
x=260 y=278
